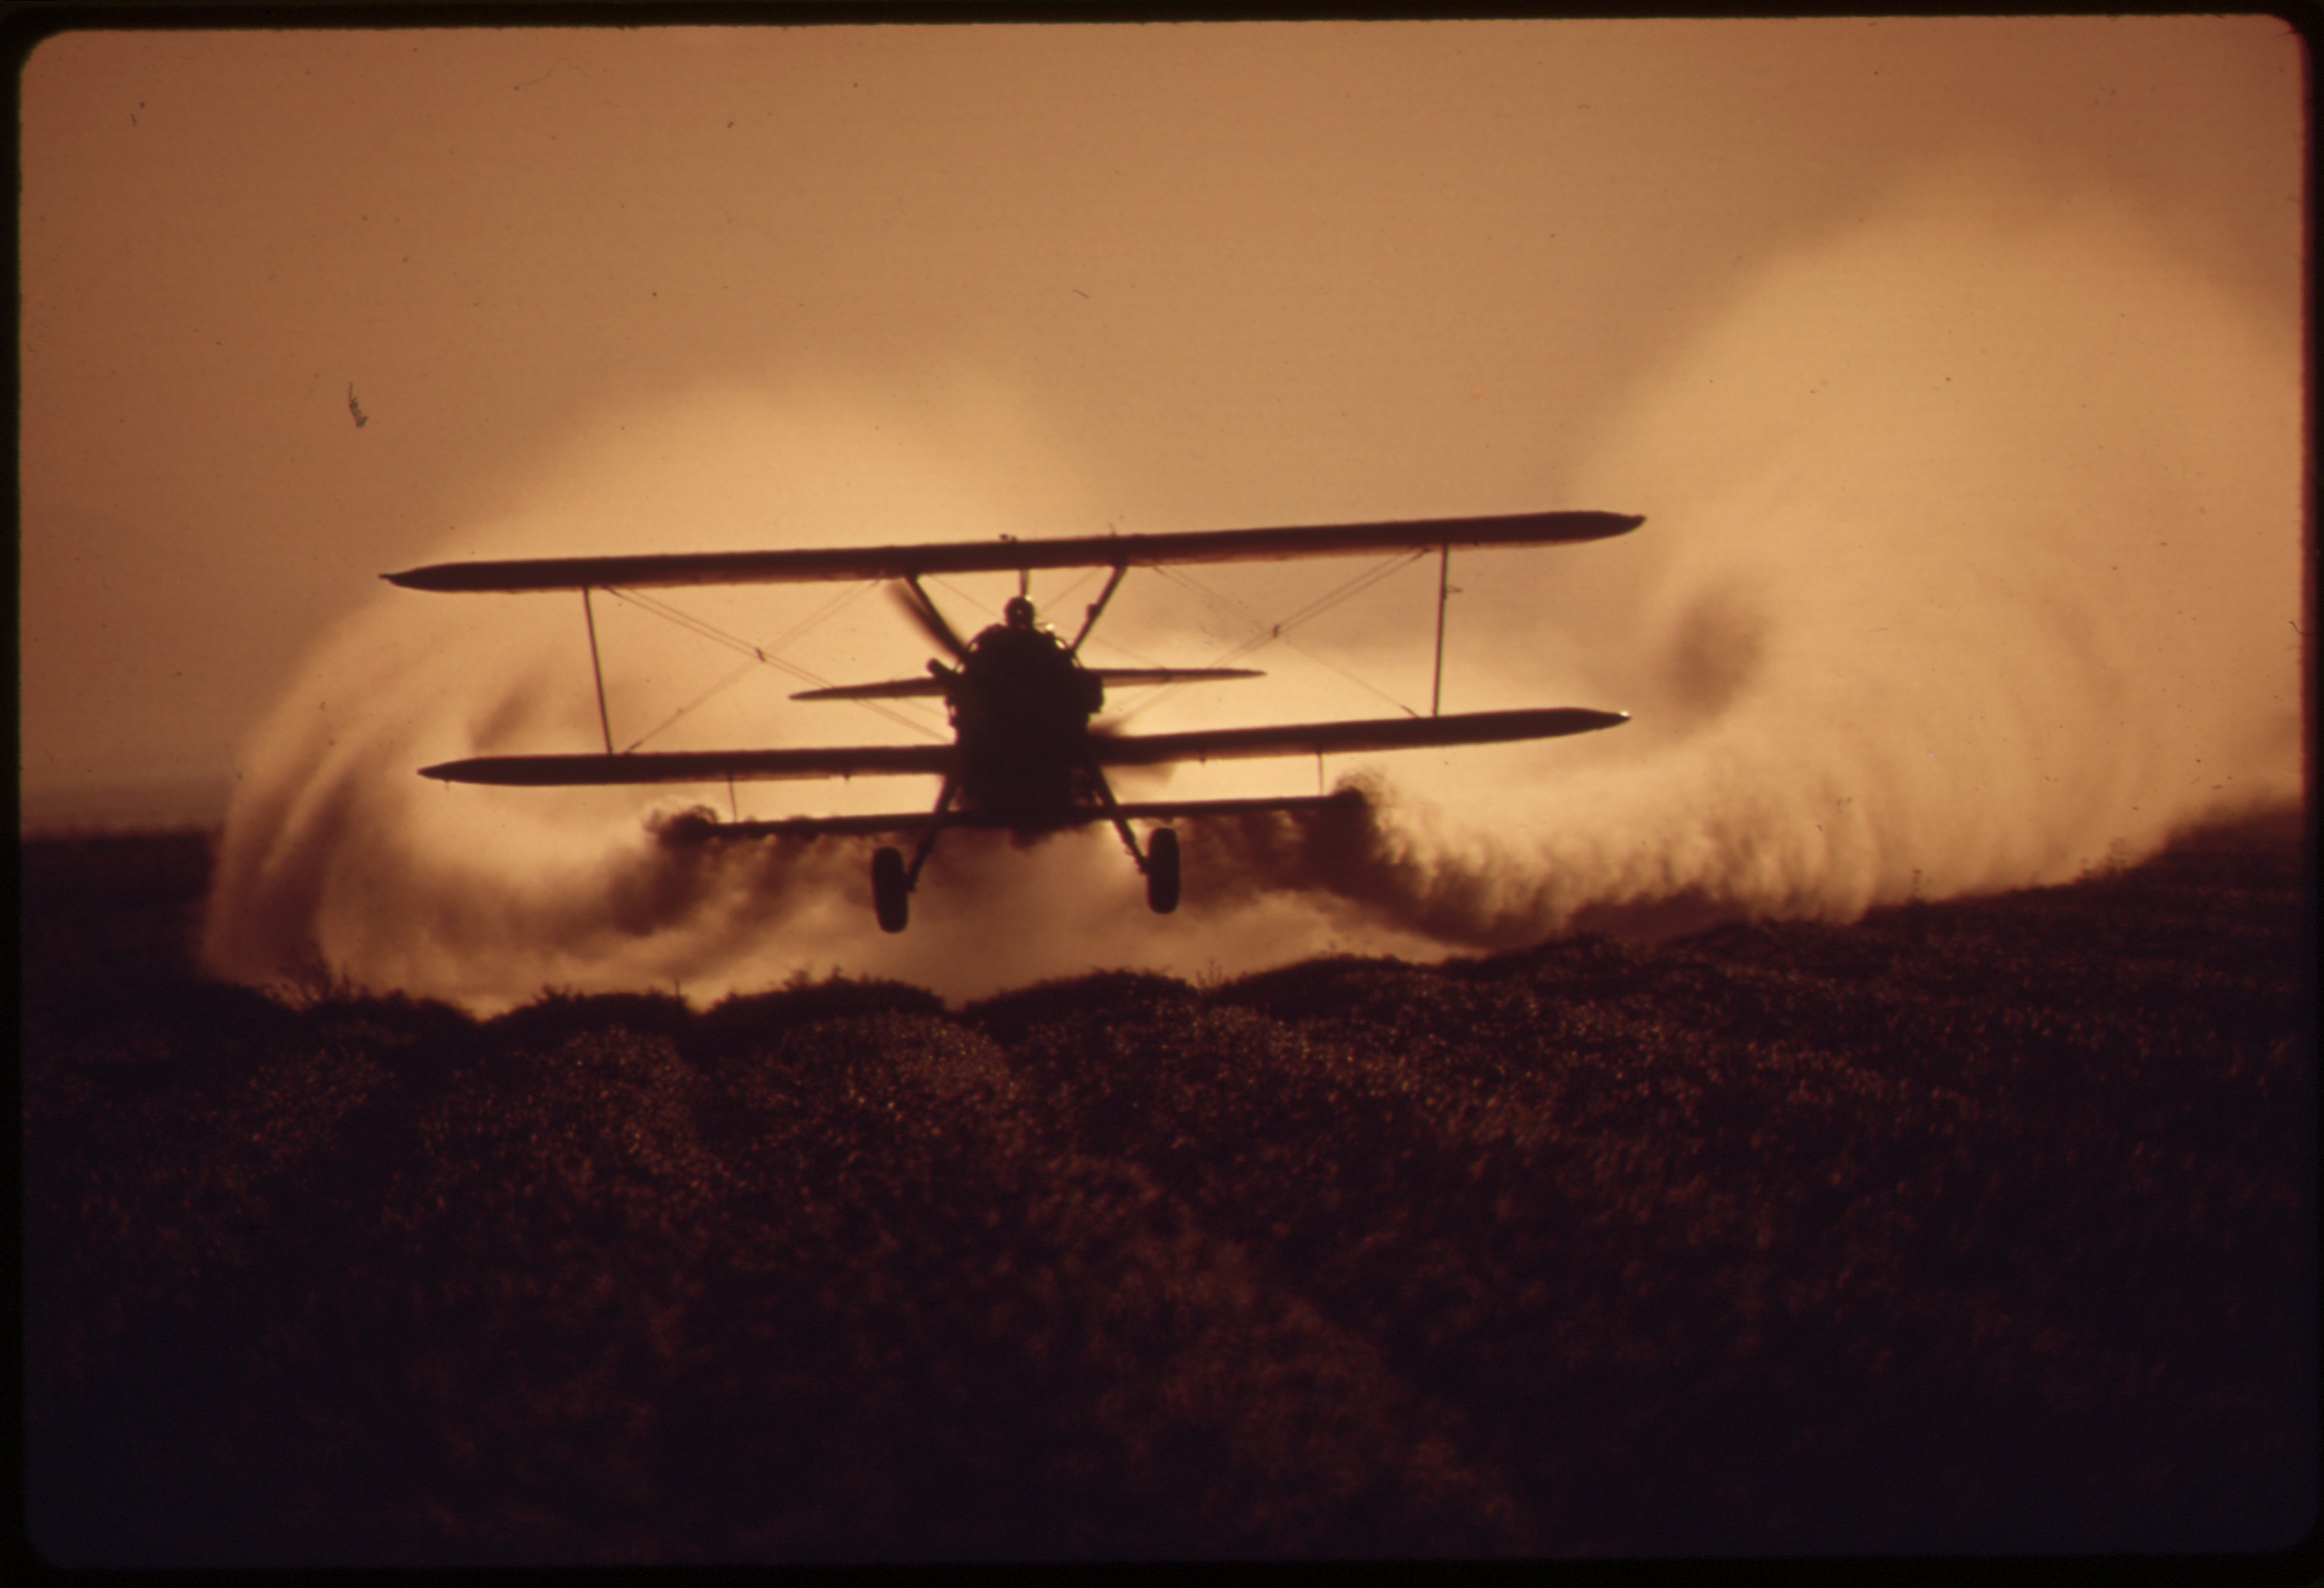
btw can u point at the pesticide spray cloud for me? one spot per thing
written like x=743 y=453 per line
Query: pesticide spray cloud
x=339 y=862
x=1971 y=561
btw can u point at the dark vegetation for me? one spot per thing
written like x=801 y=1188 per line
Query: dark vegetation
x=1981 y=1226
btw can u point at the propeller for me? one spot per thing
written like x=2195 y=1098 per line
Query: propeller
x=923 y=613
x=893 y=689
x=1138 y=677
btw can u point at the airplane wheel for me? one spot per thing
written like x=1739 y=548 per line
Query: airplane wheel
x=1162 y=870
x=891 y=899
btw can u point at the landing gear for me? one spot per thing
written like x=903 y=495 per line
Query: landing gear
x=892 y=880
x=1162 y=870
x=1159 y=860
x=891 y=890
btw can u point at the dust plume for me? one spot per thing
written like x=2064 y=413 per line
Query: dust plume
x=1971 y=561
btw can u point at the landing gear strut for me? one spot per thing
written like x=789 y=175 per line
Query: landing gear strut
x=1159 y=860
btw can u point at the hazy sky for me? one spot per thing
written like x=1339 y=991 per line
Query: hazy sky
x=1152 y=276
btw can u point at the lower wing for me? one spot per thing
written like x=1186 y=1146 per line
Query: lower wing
x=1111 y=677
x=1349 y=738
x=701 y=826
x=699 y=766
x=867 y=761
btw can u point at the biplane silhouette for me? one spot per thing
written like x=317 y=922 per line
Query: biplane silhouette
x=1026 y=755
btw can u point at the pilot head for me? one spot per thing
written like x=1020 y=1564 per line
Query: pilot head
x=1018 y=611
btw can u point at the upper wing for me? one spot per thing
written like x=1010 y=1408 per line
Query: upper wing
x=897 y=562
x=698 y=766
x=1344 y=738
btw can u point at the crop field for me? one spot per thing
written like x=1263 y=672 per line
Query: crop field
x=1986 y=1226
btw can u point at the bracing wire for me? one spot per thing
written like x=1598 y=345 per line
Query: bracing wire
x=765 y=655
x=758 y=654
x=1046 y=603
x=720 y=687
x=828 y=609
x=960 y=595
x=1064 y=595
x=1330 y=598
x=1270 y=633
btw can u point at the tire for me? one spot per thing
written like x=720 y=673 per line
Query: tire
x=892 y=898
x=1162 y=872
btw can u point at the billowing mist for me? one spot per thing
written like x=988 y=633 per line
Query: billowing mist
x=1971 y=562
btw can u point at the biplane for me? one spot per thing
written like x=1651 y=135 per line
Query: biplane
x=1026 y=755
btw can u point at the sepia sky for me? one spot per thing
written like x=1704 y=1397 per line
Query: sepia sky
x=1141 y=276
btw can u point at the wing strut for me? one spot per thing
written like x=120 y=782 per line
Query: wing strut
x=1097 y=607
x=1443 y=573
x=604 y=723
x=1113 y=813
x=935 y=825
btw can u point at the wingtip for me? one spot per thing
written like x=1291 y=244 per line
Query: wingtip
x=435 y=575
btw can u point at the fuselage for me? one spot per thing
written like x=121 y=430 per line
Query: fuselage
x=1020 y=707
